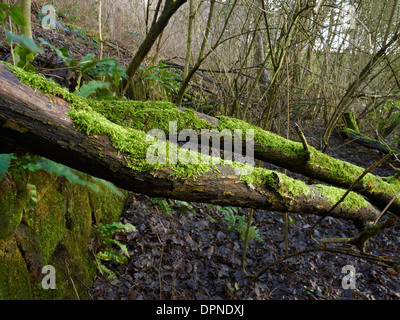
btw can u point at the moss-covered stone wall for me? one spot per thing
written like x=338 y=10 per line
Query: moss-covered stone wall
x=56 y=231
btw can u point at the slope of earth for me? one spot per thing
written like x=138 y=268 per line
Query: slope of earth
x=190 y=254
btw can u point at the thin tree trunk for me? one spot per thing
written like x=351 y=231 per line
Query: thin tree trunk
x=156 y=29
x=202 y=56
x=26 y=11
x=189 y=39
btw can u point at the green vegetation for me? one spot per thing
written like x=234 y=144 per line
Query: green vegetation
x=55 y=219
x=147 y=115
x=158 y=82
x=238 y=223
x=108 y=253
x=163 y=204
x=352 y=200
x=22 y=46
x=105 y=75
x=268 y=139
x=49 y=212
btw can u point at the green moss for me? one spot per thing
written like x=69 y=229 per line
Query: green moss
x=296 y=186
x=123 y=137
x=279 y=182
x=337 y=169
x=147 y=115
x=56 y=232
x=352 y=200
x=351 y=121
x=47 y=226
x=268 y=139
x=10 y=211
x=14 y=276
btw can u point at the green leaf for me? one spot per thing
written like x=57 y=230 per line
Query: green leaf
x=86 y=59
x=31 y=45
x=114 y=227
x=12 y=37
x=32 y=202
x=5 y=161
x=17 y=16
x=119 y=244
x=163 y=204
x=89 y=88
x=3 y=15
x=109 y=254
x=66 y=58
x=106 y=272
x=73 y=176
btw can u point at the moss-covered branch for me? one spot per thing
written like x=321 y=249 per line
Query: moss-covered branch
x=268 y=147
x=79 y=133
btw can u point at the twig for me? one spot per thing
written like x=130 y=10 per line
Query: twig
x=366 y=171
x=72 y=281
x=322 y=249
x=11 y=42
x=246 y=240
x=364 y=236
x=387 y=207
x=159 y=270
x=373 y=166
x=100 y=31
x=303 y=141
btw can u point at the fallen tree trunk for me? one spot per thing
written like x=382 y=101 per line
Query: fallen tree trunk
x=38 y=122
x=271 y=148
x=365 y=141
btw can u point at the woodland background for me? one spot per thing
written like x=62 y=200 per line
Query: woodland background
x=324 y=65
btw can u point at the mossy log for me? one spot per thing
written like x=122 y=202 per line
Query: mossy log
x=268 y=147
x=350 y=121
x=365 y=141
x=74 y=134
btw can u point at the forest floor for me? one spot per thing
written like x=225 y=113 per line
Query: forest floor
x=188 y=254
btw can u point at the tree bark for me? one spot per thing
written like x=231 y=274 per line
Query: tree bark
x=156 y=29
x=26 y=30
x=35 y=122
